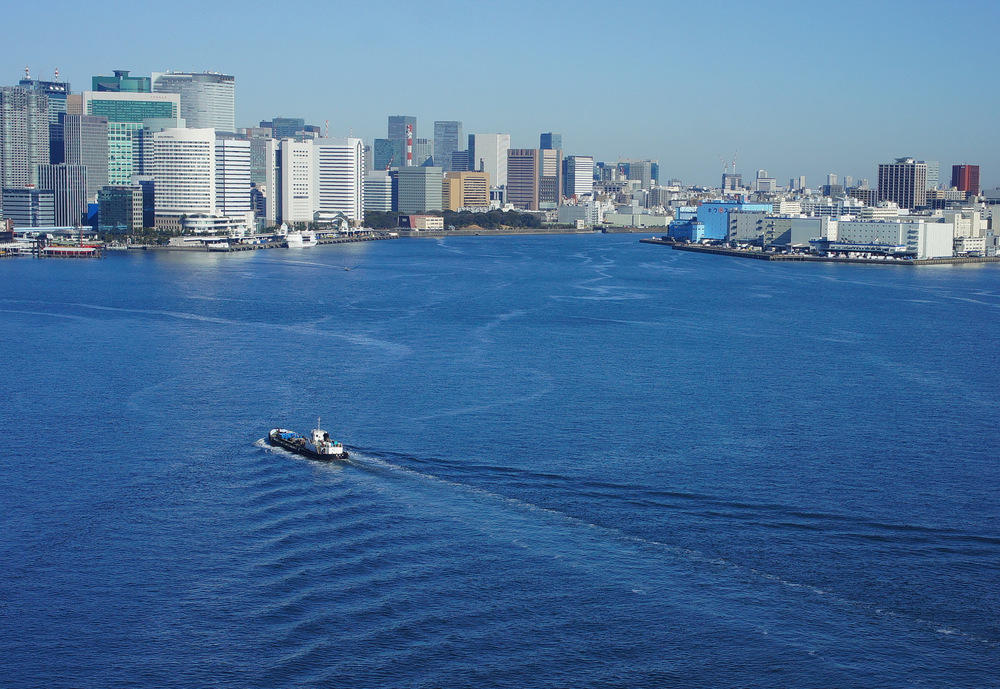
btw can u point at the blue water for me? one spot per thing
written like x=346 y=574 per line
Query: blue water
x=578 y=461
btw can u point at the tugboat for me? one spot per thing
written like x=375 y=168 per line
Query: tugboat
x=318 y=446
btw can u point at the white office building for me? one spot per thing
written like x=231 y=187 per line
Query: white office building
x=378 y=192
x=578 y=176
x=340 y=177
x=208 y=99
x=488 y=153
x=185 y=175
x=232 y=177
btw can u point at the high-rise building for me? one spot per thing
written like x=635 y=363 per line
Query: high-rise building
x=419 y=189
x=549 y=178
x=378 y=192
x=465 y=190
x=397 y=128
x=388 y=153
x=86 y=139
x=232 y=176
x=125 y=112
x=488 y=153
x=460 y=161
x=641 y=170
x=208 y=99
x=340 y=177
x=904 y=182
x=523 y=172
x=121 y=82
x=29 y=207
x=548 y=141
x=965 y=178
x=68 y=184
x=831 y=178
x=57 y=91
x=578 y=175
x=120 y=209
x=184 y=170
x=447 y=139
x=423 y=152
x=293 y=182
x=24 y=135
x=933 y=173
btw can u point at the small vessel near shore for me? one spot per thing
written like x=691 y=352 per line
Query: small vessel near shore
x=294 y=240
x=317 y=446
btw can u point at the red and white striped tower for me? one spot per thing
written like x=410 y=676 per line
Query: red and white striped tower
x=409 y=145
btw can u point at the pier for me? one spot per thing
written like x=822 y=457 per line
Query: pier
x=809 y=258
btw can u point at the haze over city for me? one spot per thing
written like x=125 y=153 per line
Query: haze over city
x=795 y=88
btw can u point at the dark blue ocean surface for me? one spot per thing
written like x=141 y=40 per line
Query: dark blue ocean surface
x=579 y=461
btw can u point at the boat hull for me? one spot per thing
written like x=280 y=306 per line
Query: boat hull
x=303 y=449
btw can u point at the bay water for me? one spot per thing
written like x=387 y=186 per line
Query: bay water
x=576 y=461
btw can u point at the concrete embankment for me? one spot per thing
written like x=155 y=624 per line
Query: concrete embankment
x=263 y=245
x=480 y=232
x=806 y=258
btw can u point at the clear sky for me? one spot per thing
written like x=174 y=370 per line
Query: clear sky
x=798 y=88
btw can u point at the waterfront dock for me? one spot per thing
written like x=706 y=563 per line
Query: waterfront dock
x=231 y=247
x=808 y=258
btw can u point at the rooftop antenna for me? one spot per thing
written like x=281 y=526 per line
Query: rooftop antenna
x=57 y=74
x=27 y=75
x=327 y=135
x=725 y=167
x=734 y=160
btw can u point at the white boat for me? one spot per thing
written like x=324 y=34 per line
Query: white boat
x=294 y=240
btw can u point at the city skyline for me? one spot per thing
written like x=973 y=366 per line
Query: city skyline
x=796 y=90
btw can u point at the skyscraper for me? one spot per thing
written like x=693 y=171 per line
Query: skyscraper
x=125 y=112
x=578 y=175
x=57 y=91
x=86 y=139
x=549 y=140
x=447 y=139
x=904 y=182
x=68 y=184
x=232 y=176
x=419 y=189
x=24 y=135
x=549 y=178
x=386 y=153
x=208 y=99
x=397 y=127
x=488 y=153
x=340 y=177
x=965 y=178
x=184 y=170
x=121 y=82
x=522 y=177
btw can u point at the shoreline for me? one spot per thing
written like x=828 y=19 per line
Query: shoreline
x=804 y=258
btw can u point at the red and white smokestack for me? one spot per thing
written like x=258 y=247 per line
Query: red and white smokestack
x=409 y=145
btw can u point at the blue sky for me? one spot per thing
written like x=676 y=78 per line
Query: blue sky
x=798 y=88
